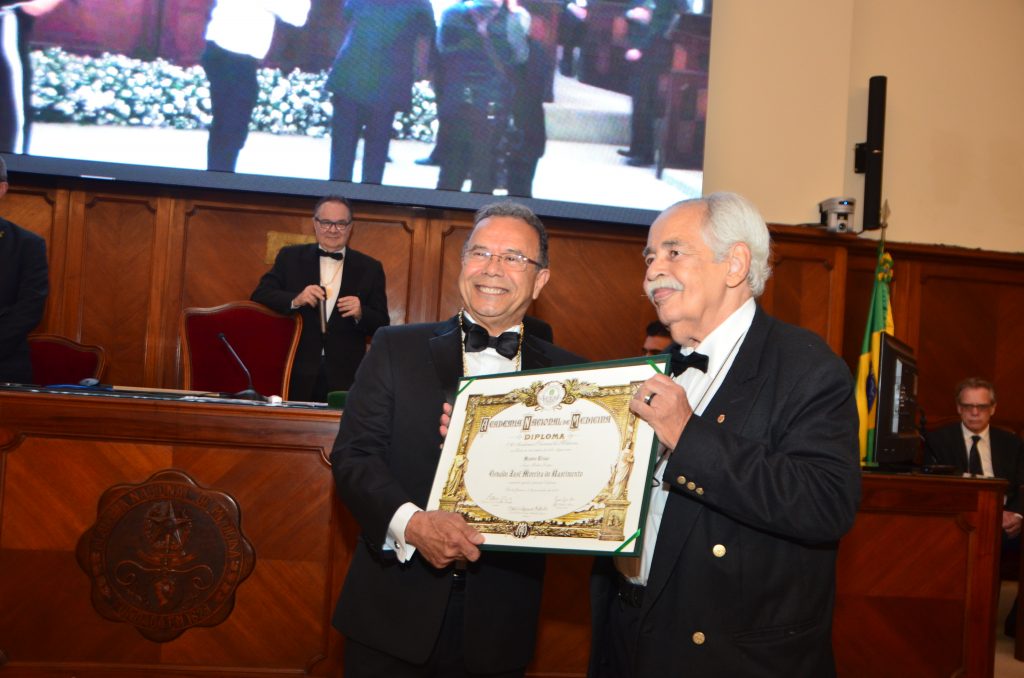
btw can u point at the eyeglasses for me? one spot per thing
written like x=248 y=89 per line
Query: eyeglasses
x=977 y=407
x=329 y=225
x=508 y=260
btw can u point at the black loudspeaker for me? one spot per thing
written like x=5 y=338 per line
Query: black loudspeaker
x=868 y=156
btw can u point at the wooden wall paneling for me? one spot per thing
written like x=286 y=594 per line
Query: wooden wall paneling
x=860 y=275
x=595 y=300
x=391 y=236
x=165 y=269
x=44 y=211
x=906 y=300
x=437 y=229
x=165 y=342
x=808 y=288
x=226 y=248
x=451 y=236
x=110 y=290
x=971 y=326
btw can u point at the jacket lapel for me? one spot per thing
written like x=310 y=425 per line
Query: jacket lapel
x=446 y=352
x=534 y=358
x=310 y=265
x=733 y=400
x=350 y=272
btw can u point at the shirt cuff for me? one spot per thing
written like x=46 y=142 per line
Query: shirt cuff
x=396 y=532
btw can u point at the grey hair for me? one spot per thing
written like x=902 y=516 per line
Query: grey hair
x=731 y=219
x=975 y=382
x=507 y=208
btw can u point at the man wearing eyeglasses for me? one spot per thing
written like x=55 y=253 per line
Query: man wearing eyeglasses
x=974 y=447
x=341 y=295
x=420 y=599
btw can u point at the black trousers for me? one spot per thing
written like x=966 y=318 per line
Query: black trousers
x=645 y=110
x=470 y=150
x=350 y=120
x=446 y=660
x=233 y=93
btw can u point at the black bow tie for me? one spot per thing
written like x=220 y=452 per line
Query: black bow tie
x=477 y=339
x=333 y=255
x=680 y=363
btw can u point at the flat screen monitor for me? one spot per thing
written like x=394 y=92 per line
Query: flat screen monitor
x=897 y=439
x=119 y=89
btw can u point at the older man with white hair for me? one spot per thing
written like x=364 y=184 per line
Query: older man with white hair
x=758 y=477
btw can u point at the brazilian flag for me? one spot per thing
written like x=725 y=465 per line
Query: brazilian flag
x=879 y=320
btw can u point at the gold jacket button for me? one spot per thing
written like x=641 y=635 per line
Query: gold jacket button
x=698 y=638
x=681 y=480
x=718 y=550
x=721 y=418
x=700 y=491
x=691 y=485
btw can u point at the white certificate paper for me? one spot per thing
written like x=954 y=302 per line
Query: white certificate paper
x=551 y=460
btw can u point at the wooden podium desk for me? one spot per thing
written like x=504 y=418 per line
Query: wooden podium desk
x=917 y=575
x=918 y=578
x=59 y=454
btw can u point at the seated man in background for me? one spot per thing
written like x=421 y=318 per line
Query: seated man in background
x=352 y=289
x=24 y=286
x=658 y=338
x=972 y=446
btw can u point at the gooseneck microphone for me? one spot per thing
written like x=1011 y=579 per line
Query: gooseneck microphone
x=249 y=393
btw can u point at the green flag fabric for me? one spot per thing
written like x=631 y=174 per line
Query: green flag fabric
x=879 y=320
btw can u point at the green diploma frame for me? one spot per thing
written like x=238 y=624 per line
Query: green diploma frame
x=551 y=460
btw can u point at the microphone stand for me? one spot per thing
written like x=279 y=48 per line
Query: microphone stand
x=249 y=393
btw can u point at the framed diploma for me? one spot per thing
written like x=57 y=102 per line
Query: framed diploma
x=551 y=460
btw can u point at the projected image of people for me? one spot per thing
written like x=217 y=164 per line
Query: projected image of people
x=387 y=45
x=525 y=98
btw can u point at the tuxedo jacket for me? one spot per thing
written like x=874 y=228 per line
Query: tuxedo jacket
x=762 y=486
x=946 y=445
x=344 y=344
x=24 y=286
x=385 y=455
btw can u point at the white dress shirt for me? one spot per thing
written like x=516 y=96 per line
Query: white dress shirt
x=331 y=271
x=247 y=26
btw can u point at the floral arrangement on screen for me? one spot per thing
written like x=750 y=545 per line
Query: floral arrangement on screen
x=113 y=89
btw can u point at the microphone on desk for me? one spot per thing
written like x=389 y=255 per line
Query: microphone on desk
x=249 y=393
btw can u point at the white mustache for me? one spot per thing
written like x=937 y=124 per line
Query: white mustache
x=651 y=286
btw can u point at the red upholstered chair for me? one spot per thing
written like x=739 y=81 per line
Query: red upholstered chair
x=59 y=360
x=265 y=341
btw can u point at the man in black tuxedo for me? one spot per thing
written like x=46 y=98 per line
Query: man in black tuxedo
x=24 y=286
x=420 y=599
x=327 y=277
x=973 y=446
x=759 y=475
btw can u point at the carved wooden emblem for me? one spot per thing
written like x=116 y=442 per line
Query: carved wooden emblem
x=165 y=555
